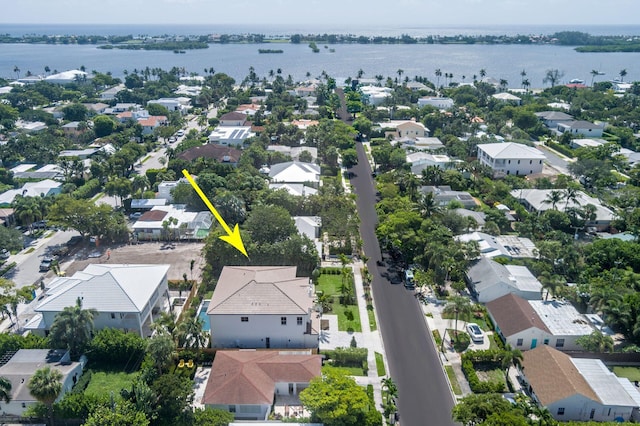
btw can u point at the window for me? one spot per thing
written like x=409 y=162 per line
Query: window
x=560 y=343
x=244 y=319
x=561 y=411
x=113 y=316
x=546 y=341
x=299 y=320
x=519 y=342
x=283 y=320
x=232 y=408
x=518 y=161
x=530 y=161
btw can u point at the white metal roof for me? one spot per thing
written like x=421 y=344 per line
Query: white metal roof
x=511 y=150
x=604 y=383
x=106 y=288
x=561 y=318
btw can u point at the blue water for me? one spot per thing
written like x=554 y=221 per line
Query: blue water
x=206 y=326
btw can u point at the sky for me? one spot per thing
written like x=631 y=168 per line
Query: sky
x=333 y=13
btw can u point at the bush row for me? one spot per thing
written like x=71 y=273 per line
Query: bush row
x=561 y=148
x=476 y=385
x=88 y=190
x=348 y=357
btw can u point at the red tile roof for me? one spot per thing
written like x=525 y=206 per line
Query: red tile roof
x=249 y=377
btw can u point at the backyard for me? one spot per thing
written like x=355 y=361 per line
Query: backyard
x=329 y=286
x=631 y=373
x=104 y=382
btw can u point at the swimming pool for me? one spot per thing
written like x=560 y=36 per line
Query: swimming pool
x=202 y=314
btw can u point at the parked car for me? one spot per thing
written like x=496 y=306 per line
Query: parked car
x=4 y=254
x=408 y=279
x=172 y=139
x=477 y=336
x=45 y=265
x=180 y=133
x=135 y=216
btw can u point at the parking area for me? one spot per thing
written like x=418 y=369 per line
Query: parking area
x=177 y=254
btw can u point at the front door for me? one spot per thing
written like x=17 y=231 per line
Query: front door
x=534 y=343
x=290 y=388
x=268 y=342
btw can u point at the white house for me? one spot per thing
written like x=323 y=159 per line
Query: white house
x=436 y=102
x=375 y=95
x=507 y=97
x=577 y=389
x=421 y=160
x=295 y=172
x=230 y=135
x=21 y=365
x=537 y=200
x=263 y=307
x=526 y=324
x=428 y=144
x=295 y=189
x=489 y=280
x=444 y=195
x=181 y=224
x=581 y=127
x=124 y=296
x=110 y=93
x=171 y=104
x=41 y=188
x=246 y=383
x=66 y=77
x=507 y=246
x=511 y=158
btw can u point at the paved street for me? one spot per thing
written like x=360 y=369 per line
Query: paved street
x=424 y=397
x=554 y=160
x=27 y=271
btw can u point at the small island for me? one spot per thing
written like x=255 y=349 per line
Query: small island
x=270 y=51
x=175 y=46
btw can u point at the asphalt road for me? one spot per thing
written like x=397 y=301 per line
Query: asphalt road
x=27 y=271
x=554 y=160
x=424 y=397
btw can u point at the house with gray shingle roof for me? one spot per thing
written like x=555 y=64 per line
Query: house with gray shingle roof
x=124 y=296
x=247 y=382
x=581 y=127
x=263 y=307
x=577 y=389
x=489 y=280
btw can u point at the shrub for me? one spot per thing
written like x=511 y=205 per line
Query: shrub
x=347 y=357
x=114 y=346
x=88 y=190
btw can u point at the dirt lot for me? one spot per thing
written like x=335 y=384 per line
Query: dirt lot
x=178 y=255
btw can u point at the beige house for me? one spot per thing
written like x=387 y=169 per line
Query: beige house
x=263 y=307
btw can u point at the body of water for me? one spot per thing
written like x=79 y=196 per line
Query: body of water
x=340 y=61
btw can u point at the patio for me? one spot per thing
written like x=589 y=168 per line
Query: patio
x=289 y=406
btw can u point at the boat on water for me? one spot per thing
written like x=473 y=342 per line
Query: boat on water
x=576 y=81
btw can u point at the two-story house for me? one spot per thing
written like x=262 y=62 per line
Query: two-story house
x=511 y=158
x=263 y=307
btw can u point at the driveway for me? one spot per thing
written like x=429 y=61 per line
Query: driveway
x=424 y=396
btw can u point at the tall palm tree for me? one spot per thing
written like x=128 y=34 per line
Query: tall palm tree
x=72 y=328
x=553 y=198
x=570 y=194
x=5 y=389
x=483 y=73
x=189 y=334
x=389 y=387
x=510 y=357
x=550 y=282
x=457 y=305
x=438 y=75
x=45 y=385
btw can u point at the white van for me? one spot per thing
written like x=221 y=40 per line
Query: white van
x=408 y=279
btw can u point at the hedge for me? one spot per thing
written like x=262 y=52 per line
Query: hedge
x=348 y=357
x=560 y=148
x=88 y=190
x=470 y=359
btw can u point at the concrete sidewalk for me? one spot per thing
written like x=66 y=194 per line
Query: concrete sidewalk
x=372 y=340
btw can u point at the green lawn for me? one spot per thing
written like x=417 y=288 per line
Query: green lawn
x=467 y=318
x=631 y=373
x=372 y=318
x=380 y=365
x=490 y=373
x=453 y=380
x=105 y=382
x=348 y=316
x=349 y=371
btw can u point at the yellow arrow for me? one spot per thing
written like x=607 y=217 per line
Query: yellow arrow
x=232 y=237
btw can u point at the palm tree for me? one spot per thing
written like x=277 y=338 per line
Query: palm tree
x=550 y=282
x=189 y=334
x=438 y=75
x=45 y=385
x=5 y=389
x=427 y=205
x=400 y=72
x=510 y=357
x=483 y=73
x=72 y=328
x=596 y=342
x=623 y=73
x=570 y=194
x=553 y=198
x=503 y=84
x=17 y=71
x=457 y=305
x=526 y=84
x=389 y=387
